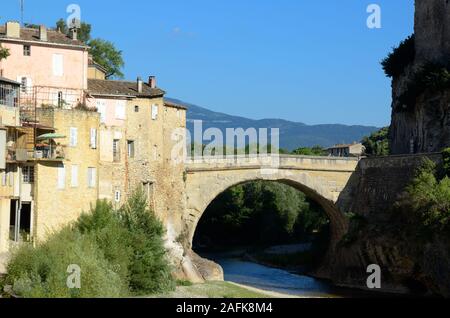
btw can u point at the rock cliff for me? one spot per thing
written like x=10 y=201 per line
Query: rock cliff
x=423 y=125
x=379 y=235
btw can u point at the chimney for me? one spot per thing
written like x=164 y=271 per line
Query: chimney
x=74 y=33
x=140 y=84
x=43 y=33
x=152 y=81
x=13 y=29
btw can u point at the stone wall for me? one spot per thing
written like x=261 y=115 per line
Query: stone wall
x=56 y=207
x=370 y=195
x=9 y=116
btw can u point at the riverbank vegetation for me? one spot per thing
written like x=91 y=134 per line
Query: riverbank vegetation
x=260 y=214
x=428 y=197
x=120 y=253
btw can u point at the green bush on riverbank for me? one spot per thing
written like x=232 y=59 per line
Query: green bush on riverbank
x=120 y=253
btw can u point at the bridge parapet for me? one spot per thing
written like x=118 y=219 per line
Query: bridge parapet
x=284 y=162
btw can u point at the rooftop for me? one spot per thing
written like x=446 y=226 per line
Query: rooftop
x=7 y=80
x=92 y=63
x=175 y=105
x=122 y=88
x=31 y=34
x=345 y=145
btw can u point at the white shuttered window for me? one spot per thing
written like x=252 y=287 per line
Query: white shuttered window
x=61 y=177
x=58 y=65
x=74 y=176
x=92 y=177
x=120 y=109
x=93 y=141
x=73 y=137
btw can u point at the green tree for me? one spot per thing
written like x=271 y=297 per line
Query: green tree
x=84 y=31
x=377 y=144
x=4 y=53
x=259 y=213
x=307 y=151
x=61 y=26
x=103 y=52
x=121 y=254
x=149 y=270
x=106 y=54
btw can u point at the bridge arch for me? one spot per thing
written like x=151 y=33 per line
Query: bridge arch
x=321 y=179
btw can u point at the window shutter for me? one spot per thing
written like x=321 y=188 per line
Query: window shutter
x=58 y=62
x=74 y=176
x=93 y=138
x=155 y=112
x=29 y=85
x=11 y=177
x=61 y=176
x=91 y=177
x=120 y=109
x=73 y=136
x=101 y=108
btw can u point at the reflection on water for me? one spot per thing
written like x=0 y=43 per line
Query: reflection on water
x=272 y=279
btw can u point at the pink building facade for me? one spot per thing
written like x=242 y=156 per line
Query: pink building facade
x=51 y=67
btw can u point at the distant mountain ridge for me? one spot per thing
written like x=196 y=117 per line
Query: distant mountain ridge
x=292 y=134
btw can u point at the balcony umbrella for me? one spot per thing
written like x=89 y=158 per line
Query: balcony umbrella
x=49 y=137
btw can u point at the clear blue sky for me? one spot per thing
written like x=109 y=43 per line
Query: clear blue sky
x=302 y=60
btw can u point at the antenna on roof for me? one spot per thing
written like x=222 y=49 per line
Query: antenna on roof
x=21 y=11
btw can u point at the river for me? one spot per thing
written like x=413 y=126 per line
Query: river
x=282 y=281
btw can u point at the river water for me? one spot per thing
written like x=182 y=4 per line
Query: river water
x=251 y=274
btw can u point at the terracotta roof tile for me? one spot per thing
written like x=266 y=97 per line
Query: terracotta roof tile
x=29 y=34
x=106 y=87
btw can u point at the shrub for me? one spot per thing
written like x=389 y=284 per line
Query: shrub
x=396 y=62
x=446 y=156
x=430 y=198
x=42 y=272
x=149 y=269
x=120 y=253
x=105 y=227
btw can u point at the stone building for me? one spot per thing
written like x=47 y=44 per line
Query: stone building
x=346 y=150
x=47 y=63
x=69 y=137
x=48 y=184
x=136 y=140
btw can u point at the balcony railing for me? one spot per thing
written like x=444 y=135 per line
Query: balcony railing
x=42 y=153
x=9 y=95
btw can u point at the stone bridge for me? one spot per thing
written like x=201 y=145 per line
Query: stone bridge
x=321 y=178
